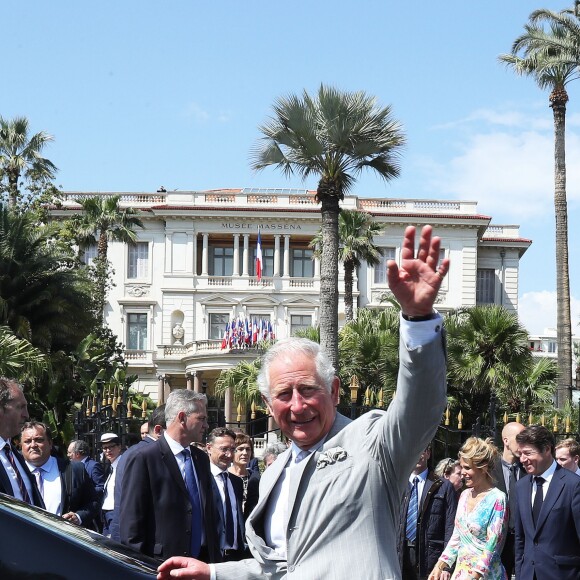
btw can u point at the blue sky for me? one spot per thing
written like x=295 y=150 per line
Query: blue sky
x=139 y=94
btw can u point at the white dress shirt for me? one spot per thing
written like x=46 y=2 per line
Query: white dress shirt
x=109 y=496
x=52 y=486
x=10 y=472
x=547 y=475
x=217 y=475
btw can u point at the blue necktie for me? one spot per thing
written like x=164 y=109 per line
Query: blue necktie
x=538 y=499
x=193 y=491
x=229 y=513
x=412 y=511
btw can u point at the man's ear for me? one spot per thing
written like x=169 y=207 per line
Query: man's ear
x=335 y=391
x=267 y=403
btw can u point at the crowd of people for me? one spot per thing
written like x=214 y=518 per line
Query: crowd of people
x=198 y=501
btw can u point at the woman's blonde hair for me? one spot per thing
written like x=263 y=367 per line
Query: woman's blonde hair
x=480 y=453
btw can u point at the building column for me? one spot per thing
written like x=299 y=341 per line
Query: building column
x=317 y=267
x=204 y=257
x=277 y=255
x=196 y=382
x=189 y=380
x=286 y=256
x=160 y=390
x=194 y=254
x=246 y=255
x=228 y=404
x=236 y=270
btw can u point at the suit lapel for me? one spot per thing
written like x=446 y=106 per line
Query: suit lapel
x=554 y=490
x=171 y=464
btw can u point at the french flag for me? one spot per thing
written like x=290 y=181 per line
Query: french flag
x=259 y=262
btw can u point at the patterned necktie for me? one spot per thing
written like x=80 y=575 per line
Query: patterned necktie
x=229 y=513
x=538 y=499
x=39 y=480
x=193 y=491
x=412 y=510
x=20 y=481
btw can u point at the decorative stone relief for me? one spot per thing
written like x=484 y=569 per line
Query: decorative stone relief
x=137 y=290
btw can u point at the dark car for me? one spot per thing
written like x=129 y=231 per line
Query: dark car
x=36 y=545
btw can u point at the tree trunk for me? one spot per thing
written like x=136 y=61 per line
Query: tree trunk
x=329 y=278
x=564 y=325
x=348 y=284
x=13 y=177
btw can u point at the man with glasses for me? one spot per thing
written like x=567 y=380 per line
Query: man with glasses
x=547 y=518
x=169 y=509
x=228 y=490
x=111 y=446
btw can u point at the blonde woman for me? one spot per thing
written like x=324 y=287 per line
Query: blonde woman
x=475 y=546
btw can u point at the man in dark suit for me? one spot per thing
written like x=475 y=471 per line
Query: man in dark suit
x=548 y=512
x=79 y=450
x=15 y=479
x=156 y=426
x=423 y=536
x=66 y=488
x=506 y=474
x=170 y=510
x=228 y=491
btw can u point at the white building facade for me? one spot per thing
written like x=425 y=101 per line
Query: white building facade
x=192 y=270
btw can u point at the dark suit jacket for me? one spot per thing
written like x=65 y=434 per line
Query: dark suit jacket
x=114 y=527
x=238 y=487
x=97 y=474
x=551 y=549
x=253 y=493
x=6 y=486
x=435 y=522
x=78 y=492
x=155 y=511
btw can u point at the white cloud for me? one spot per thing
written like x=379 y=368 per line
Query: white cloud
x=537 y=312
x=196 y=112
x=506 y=163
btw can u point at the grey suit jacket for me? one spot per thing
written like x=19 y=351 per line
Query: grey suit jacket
x=343 y=515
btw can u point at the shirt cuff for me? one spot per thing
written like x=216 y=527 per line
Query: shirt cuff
x=416 y=334
x=212 y=574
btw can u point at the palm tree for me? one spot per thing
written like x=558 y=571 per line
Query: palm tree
x=333 y=135
x=43 y=298
x=242 y=379
x=369 y=350
x=487 y=349
x=20 y=156
x=552 y=58
x=356 y=232
x=102 y=221
x=18 y=358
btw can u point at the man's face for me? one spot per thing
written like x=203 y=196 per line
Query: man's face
x=509 y=441
x=221 y=452
x=144 y=430
x=534 y=460
x=111 y=450
x=14 y=415
x=196 y=424
x=300 y=403
x=36 y=447
x=566 y=460
x=422 y=461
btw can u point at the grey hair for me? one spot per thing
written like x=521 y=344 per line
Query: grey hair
x=274 y=449
x=6 y=384
x=80 y=447
x=183 y=400
x=289 y=348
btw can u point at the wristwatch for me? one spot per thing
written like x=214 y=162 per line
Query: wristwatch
x=423 y=318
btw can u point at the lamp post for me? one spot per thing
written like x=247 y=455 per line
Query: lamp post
x=354 y=386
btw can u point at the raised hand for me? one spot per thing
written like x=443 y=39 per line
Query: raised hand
x=181 y=567
x=416 y=283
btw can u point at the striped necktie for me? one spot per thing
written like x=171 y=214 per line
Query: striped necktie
x=412 y=511
x=20 y=481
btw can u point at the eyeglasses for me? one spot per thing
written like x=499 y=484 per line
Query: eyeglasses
x=109 y=447
x=226 y=449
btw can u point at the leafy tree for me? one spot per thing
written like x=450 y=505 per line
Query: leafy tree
x=551 y=56
x=18 y=358
x=20 y=157
x=356 y=232
x=333 y=135
x=487 y=348
x=103 y=220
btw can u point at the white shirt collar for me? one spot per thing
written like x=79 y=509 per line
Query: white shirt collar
x=422 y=476
x=176 y=448
x=547 y=475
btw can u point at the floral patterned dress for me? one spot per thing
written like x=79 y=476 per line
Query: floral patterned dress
x=478 y=537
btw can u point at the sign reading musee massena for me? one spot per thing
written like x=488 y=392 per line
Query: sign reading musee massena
x=261 y=226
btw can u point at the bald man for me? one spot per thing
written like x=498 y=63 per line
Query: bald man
x=507 y=473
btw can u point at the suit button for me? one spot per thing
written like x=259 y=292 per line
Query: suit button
x=291 y=568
